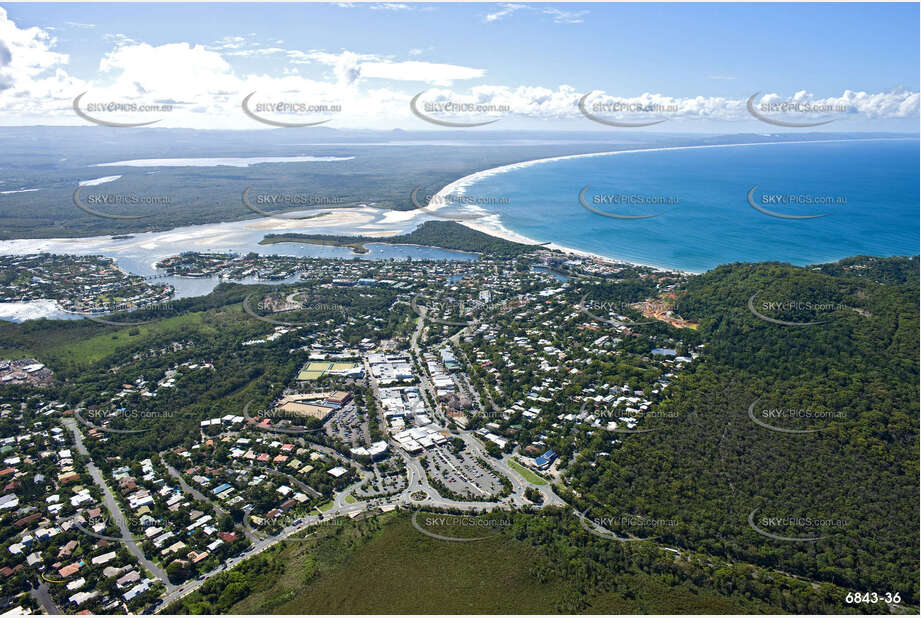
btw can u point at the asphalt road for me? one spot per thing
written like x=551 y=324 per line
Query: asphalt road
x=417 y=483
x=111 y=504
x=186 y=488
x=43 y=597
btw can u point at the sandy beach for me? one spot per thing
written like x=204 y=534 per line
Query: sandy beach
x=491 y=223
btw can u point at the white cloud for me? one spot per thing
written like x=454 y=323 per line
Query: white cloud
x=349 y=67
x=565 y=17
x=562 y=102
x=374 y=91
x=390 y=6
x=178 y=69
x=119 y=39
x=346 y=65
x=257 y=51
x=559 y=16
x=898 y=103
x=429 y=72
x=229 y=42
x=506 y=10
x=31 y=73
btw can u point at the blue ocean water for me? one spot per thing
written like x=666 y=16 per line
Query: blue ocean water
x=706 y=219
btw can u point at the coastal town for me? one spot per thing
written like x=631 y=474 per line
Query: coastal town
x=83 y=285
x=471 y=386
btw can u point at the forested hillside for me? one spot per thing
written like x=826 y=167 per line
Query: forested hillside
x=802 y=431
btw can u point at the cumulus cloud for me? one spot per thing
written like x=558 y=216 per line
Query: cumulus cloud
x=31 y=73
x=563 y=102
x=206 y=89
x=5 y=56
x=896 y=103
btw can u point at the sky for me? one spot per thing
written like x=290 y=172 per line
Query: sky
x=685 y=67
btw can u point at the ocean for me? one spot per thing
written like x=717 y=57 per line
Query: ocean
x=866 y=191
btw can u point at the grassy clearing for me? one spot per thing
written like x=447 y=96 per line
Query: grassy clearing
x=389 y=567
x=96 y=348
x=400 y=570
x=88 y=342
x=528 y=475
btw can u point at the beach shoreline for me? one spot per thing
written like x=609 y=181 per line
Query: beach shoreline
x=496 y=229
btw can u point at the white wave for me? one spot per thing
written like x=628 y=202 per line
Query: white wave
x=31 y=310
x=492 y=224
x=98 y=181
x=17 y=191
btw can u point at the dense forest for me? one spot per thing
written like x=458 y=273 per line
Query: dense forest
x=848 y=388
x=442 y=234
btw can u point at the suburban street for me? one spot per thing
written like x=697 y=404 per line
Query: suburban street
x=42 y=595
x=200 y=496
x=344 y=503
x=112 y=505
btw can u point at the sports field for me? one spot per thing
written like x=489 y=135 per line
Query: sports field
x=317 y=369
